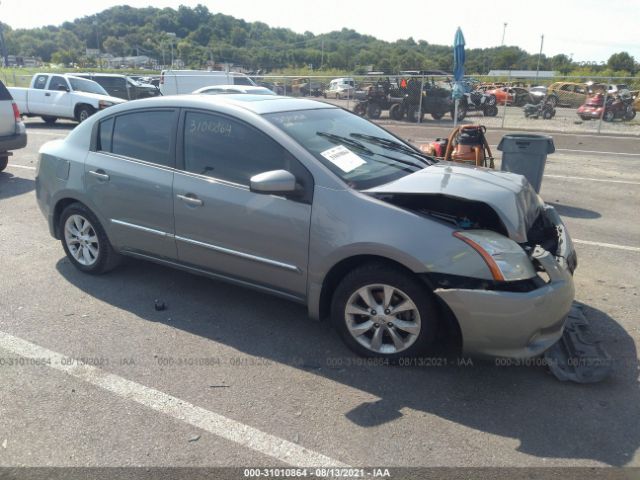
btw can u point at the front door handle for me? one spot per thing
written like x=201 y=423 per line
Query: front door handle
x=100 y=174
x=47 y=94
x=191 y=199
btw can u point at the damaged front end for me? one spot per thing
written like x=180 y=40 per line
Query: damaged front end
x=520 y=312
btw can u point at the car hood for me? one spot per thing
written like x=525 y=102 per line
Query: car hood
x=508 y=194
x=97 y=96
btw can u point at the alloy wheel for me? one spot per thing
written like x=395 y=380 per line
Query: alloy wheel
x=382 y=318
x=81 y=240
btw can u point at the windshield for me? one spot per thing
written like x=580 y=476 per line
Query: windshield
x=88 y=86
x=362 y=154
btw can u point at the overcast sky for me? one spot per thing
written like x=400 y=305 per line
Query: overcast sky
x=590 y=30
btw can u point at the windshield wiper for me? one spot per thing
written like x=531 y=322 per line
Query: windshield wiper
x=392 y=145
x=345 y=140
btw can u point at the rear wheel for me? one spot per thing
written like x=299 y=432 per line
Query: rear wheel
x=85 y=241
x=608 y=116
x=49 y=120
x=630 y=114
x=374 y=111
x=383 y=311
x=547 y=114
x=4 y=161
x=437 y=116
x=360 y=109
x=492 y=111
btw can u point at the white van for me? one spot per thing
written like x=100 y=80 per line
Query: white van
x=178 y=82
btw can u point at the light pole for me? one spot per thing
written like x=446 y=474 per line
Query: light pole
x=95 y=24
x=171 y=36
x=539 y=57
x=5 y=58
x=504 y=30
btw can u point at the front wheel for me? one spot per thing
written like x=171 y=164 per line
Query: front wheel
x=492 y=111
x=630 y=114
x=553 y=101
x=85 y=241
x=83 y=113
x=396 y=112
x=608 y=116
x=374 y=111
x=382 y=311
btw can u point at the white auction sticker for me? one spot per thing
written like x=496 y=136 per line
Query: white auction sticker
x=343 y=158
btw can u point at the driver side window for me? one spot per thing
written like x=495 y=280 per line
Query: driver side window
x=223 y=148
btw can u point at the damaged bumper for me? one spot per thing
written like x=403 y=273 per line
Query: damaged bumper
x=518 y=324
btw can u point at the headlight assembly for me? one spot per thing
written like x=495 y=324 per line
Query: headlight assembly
x=506 y=260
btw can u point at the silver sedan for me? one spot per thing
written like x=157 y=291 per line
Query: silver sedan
x=315 y=204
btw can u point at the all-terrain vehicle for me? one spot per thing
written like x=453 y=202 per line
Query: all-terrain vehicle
x=383 y=95
x=479 y=101
x=436 y=101
x=542 y=109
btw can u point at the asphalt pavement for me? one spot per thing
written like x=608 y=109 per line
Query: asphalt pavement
x=229 y=377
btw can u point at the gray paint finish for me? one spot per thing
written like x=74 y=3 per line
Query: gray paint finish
x=287 y=246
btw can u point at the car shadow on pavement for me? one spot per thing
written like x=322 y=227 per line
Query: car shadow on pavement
x=47 y=126
x=549 y=418
x=12 y=186
x=574 y=212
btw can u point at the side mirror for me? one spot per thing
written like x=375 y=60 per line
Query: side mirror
x=62 y=88
x=276 y=182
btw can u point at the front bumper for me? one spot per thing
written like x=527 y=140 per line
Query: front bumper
x=515 y=324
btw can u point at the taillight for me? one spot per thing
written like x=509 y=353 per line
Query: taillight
x=16 y=112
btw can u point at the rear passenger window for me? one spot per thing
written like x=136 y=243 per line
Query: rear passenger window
x=237 y=80
x=227 y=149
x=40 y=82
x=145 y=136
x=4 y=93
x=104 y=136
x=57 y=82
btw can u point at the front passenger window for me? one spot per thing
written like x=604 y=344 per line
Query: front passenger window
x=219 y=147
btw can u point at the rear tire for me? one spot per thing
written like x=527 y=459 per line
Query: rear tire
x=608 y=116
x=49 y=120
x=492 y=111
x=369 y=325
x=85 y=241
x=437 y=116
x=4 y=161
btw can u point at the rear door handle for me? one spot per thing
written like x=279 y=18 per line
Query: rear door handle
x=100 y=174
x=191 y=199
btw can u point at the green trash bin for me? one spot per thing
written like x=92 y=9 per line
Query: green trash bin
x=526 y=155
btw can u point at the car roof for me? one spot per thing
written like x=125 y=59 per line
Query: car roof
x=259 y=104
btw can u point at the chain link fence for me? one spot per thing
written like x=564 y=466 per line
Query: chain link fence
x=596 y=105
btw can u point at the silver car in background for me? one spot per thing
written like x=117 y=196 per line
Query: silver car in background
x=312 y=203
x=13 y=134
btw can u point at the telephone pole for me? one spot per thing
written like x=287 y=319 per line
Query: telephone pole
x=539 y=56
x=504 y=30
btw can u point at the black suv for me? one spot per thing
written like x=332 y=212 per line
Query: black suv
x=121 y=86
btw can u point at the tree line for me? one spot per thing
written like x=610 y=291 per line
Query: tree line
x=203 y=37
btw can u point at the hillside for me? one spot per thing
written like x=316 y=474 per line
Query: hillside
x=202 y=36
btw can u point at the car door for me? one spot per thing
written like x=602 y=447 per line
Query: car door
x=58 y=101
x=129 y=180
x=222 y=226
x=36 y=95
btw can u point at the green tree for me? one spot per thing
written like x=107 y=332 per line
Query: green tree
x=622 y=61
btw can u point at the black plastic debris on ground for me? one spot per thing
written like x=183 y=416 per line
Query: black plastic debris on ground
x=160 y=305
x=578 y=356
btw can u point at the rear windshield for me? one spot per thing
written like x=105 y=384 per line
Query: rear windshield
x=4 y=93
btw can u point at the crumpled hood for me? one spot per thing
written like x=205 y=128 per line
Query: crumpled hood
x=510 y=195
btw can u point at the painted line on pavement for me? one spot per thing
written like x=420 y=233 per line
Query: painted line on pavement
x=13 y=165
x=174 y=407
x=605 y=180
x=607 y=245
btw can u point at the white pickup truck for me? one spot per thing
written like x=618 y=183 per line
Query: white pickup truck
x=52 y=96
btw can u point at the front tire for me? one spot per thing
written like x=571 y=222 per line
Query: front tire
x=374 y=111
x=83 y=113
x=85 y=241
x=382 y=311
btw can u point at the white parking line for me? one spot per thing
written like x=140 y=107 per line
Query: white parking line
x=607 y=245
x=182 y=410
x=605 y=180
x=13 y=165
x=597 y=151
